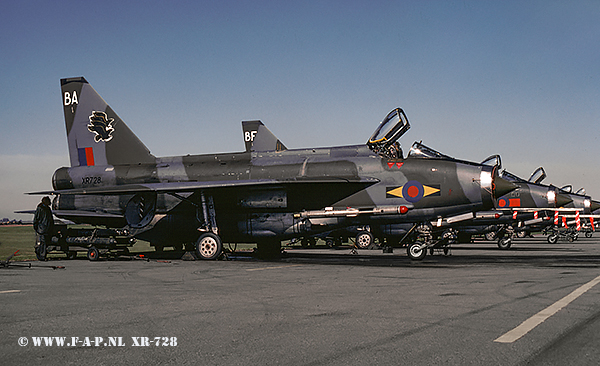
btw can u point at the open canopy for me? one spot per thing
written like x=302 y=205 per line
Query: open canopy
x=385 y=138
x=537 y=176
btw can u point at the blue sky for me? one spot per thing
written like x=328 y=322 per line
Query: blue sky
x=476 y=78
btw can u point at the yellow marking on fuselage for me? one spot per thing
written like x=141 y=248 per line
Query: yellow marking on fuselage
x=396 y=192
x=429 y=190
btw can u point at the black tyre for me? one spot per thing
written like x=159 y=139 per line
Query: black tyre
x=93 y=254
x=329 y=242
x=209 y=246
x=552 y=238
x=588 y=234
x=490 y=235
x=504 y=243
x=416 y=251
x=40 y=253
x=364 y=239
x=71 y=255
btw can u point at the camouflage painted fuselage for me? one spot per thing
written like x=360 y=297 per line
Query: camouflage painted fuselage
x=115 y=181
x=295 y=181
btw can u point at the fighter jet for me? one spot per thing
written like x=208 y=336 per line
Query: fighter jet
x=518 y=210
x=573 y=216
x=254 y=196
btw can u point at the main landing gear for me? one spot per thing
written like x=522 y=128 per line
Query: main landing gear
x=209 y=245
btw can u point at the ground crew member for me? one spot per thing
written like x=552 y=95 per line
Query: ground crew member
x=43 y=224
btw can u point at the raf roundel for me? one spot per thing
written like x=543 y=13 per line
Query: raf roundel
x=413 y=191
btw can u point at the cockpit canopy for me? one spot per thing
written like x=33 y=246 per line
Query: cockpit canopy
x=511 y=177
x=384 y=140
x=537 y=176
x=493 y=160
x=567 y=189
x=418 y=150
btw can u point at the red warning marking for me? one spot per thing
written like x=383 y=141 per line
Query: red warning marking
x=514 y=202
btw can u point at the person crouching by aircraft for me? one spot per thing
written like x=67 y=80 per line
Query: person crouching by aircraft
x=43 y=224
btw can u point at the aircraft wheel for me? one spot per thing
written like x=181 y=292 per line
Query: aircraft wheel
x=446 y=250
x=416 y=251
x=504 y=243
x=570 y=238
x=209 y=246
x=364 y=239
x=552 y=239
x=588 y=234
x=93 y=254
x=40 y=253
x=521 y=234
x=71 y=255
x=490 y=236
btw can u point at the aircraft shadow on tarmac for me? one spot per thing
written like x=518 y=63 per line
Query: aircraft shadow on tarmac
x=438 y=260
x=534 y=253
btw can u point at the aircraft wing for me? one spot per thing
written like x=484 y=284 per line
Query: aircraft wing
x=302 y=193
x=176 y=187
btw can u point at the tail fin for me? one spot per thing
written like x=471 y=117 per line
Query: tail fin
x=95 y=134
x=258 y=137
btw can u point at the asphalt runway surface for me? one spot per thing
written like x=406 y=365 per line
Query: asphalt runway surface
x=314 y=307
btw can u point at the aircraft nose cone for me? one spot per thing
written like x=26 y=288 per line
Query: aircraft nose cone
x=563 y=200
x=595 y=205
x=502 y=187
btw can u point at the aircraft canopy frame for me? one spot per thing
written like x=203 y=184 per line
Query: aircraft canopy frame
x=385 y=137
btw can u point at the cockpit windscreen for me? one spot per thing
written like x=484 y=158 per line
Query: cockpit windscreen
x=421 y=151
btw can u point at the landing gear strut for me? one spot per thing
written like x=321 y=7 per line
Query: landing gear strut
x=209 y=245
x=505 y=236
x=417 y=250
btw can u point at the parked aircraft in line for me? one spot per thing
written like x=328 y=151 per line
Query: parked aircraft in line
x=256 y=196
